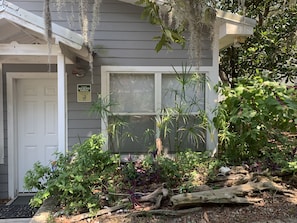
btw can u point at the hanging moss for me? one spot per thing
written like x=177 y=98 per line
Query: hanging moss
x=87 y=28
x=196 y=17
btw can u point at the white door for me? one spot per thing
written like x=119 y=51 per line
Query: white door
x=36 y=124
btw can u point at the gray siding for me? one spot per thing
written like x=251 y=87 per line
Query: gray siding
x=122 y=38
x=81 y=123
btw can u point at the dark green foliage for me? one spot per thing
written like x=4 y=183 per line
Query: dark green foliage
x=169 y=35
x=174 y=172
x=151 y=170
x=87 y=178
x=254 y=117
x=271 y=51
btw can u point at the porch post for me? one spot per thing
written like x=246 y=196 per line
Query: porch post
x=1 y=119
x=62 y=104
x=211 y=96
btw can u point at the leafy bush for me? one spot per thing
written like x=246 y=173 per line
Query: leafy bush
x=83 y=179
x=174 y=172
x=144 y=172
x=77 y=180
x=254 y=117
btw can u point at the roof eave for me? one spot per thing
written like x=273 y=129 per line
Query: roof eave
x=36 y=23
x=235 y=18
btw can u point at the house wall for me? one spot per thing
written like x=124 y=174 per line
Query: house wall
x=121 y=39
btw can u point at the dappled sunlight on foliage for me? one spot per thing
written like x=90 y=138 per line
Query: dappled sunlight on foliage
x=88 y=178
x=254 y=120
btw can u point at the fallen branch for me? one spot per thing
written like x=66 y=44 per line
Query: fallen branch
x=168 y=213
x=154 y=197
x=229 y=195
x=83 y=216
x=151 y=197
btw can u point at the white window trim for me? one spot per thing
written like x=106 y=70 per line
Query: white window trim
x=1 y=119
x=210 y=94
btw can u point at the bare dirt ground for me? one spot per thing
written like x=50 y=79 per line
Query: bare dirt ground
x=273 y=208
x=276 y=209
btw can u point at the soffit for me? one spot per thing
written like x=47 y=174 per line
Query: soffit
x=23 y=27
x=14 y=32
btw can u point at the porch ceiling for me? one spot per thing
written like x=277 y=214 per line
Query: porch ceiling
x=14 y=32
x=22 y=30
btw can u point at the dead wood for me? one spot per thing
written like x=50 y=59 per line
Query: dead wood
x=163 y=212
x=154 y=197
x=229 y=195
x=83 y=216
x=231 y=180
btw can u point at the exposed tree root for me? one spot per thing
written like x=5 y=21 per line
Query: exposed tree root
x=168 y=213
x=154 y=197
x=241 y=185
x=227 y=195
x=83 y=216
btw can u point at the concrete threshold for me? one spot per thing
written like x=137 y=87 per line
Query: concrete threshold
x=16 y=220
x=44 y=212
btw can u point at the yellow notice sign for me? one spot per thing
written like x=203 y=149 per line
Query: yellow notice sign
x=84 y=93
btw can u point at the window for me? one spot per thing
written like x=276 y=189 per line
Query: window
x=147 y=104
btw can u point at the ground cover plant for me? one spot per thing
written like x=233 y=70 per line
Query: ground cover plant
x=88 y=178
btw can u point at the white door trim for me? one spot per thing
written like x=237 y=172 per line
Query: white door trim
x=11 y=78
x=1 y=118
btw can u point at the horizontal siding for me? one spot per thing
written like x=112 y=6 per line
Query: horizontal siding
x=149 y=62
x=81 y=123
x=122 y=38
x=121 y=27
x=138 y=53
x=131 y=44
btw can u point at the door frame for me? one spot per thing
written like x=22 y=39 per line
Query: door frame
x=12 y=135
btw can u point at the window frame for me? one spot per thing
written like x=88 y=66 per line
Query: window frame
x=157 y=71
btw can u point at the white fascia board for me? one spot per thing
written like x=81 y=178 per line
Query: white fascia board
x=14 y=49
x=235 y=29
x=228 y=16
x=231 y=32
x=36 y=23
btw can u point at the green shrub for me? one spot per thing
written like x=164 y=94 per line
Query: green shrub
x=174 y=172
x=79 y=180
x=82 y=179
x=253 y=117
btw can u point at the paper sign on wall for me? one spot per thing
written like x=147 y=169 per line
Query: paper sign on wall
x=84 y=93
